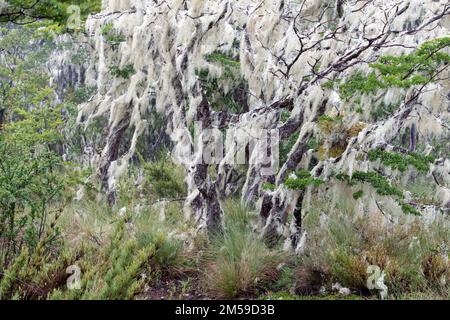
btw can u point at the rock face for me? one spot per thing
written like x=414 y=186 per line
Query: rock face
x=148 y=54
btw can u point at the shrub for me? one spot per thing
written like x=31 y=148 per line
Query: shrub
x=165 y=179
x=151 y=228
x=302 y=181
x=342 y=245
x=124 y=73
x=111 y=273
x=34 y=274
x=400 y=161
x=28 y=184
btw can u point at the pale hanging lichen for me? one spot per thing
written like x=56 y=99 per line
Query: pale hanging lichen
x=292 y=55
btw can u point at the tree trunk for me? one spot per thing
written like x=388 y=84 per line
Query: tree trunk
x=208 y=205
x=111 y=153
x=2 y=117
x=413 y=138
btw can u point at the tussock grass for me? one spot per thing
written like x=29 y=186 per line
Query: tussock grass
x=167 y=232
x=237 y=262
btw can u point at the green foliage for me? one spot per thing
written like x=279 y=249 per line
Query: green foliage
x=124 y=73
x=359 y=83
x=28 y=103
x=151 y=229
x=393 y=160
x=236 y=215
x=29 y=11
x=74 y=136
x=218 y=98
x=39 y=126
x=327 y=118
x=404 y=71
x=329 y=85
x=381 y=185
x=347 y=268
x=286 y=146
x=86 y=6
x=417 y=68
x=79 y=95
x=409 y=252
x=400 y=161
x=28 y=184
x=383 y=111
x=230 y=66
x=268 y=186
x=115 y=260
x=409 y=209
x=23 y=73
x=112 y=273
x=164 y=179
x=289 y=296
x=303 y=180
x=34 y=274
x=284 y=116
x=9 y=277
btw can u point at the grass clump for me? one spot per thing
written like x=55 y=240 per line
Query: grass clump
x=164 y=179
x=237 y=262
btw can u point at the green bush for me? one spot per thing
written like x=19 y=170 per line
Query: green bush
x=34 y=274
x=28 y=185
x=219 y=98
x=111 y=273
x=151 y=230
x=165 y=179
x=342 y=245
x=111 y=35
x=124 y=73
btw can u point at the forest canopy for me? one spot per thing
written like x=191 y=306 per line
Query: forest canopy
x=29 y=11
